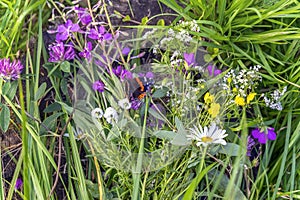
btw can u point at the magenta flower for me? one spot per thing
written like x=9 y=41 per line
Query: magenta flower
x=86 y=53
x=83 y=15
x=99 y=34
x=98 y=86
x=60 y=52
x=264 y=136
x=122 y=73
x=213 y=71
x=65 y=30
x=19 y=184
x=10 y=71
x=189 y=58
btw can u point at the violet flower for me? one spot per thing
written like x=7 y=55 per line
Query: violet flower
x=98 y=86
x=126 y=51
x=19 y=184
x=264 y=136
x=65 y=30
x=122 y=73
x=10 y=71
x=213 y=71
x=189 y=58
x=86 y=53
x=83 y=15
x=135 y=103
x=99 y=34
x=250 y=145
x=60 y=52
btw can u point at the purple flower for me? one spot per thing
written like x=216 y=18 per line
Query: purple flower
x=189 y=58
x=126 y=51
x=19 y=184
x=98 y=86
x=60 y=52
x=99 y=34
x=250 y=144
x=83 y=15
x=264 y=136
x=10 y=70
x=213 y=71
x=86 y=53
x=122 y=73
x=135 y=103
x=64 y=30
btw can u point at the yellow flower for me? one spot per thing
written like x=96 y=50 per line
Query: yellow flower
x=229 y=80
x=208 y=98
x=234 y=89
x=214 y=110
x=239 y=101
x=250 y=97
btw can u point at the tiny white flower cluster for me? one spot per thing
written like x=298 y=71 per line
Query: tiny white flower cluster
x=189 y=25
x=274 y=101
x=174 y=37
x=242 y=81
x=175 y=61
x=149 y=34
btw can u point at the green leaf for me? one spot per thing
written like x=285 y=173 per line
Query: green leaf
x=40 y=92
x=65 y=66
x=126 y=18
x=145 y=20
x=230 y=149
x=162 y=92
x=50 y=123
x=9 y=89
x=52 y=107
x=161 y=22
x=4 y=117
x=169 y=135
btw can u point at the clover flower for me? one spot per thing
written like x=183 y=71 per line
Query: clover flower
x=99 y=34
x=111 y=115
x=206 y=136
x=65 y=30
x=10 y=70
x=264 y=135
x=60 y=52
x=98 y=86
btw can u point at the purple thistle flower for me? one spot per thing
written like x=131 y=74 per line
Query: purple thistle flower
x=213 y=71
x=83 y=15
x=189 y=58
x=60 y=52
x=19 y=184
x=250 y=145
x=263 y=136
x=86 y=53
x=65 y=30
x=10 y=71
x=99 y=34
x=98 y=86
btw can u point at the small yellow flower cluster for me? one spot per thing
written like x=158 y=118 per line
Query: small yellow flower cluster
x=214 y=108
x=241 y=101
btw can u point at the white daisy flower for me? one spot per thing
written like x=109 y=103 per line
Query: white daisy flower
x=97 y=113
x=206 y=136
x=125 y=104
x=111 y=115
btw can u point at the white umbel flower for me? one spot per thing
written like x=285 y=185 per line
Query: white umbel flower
x=111 y=115
x=206 y=136
x=124 y=103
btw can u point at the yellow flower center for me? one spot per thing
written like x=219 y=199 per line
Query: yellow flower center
x=239 y=101
x=206 y=139
x=214 y=109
